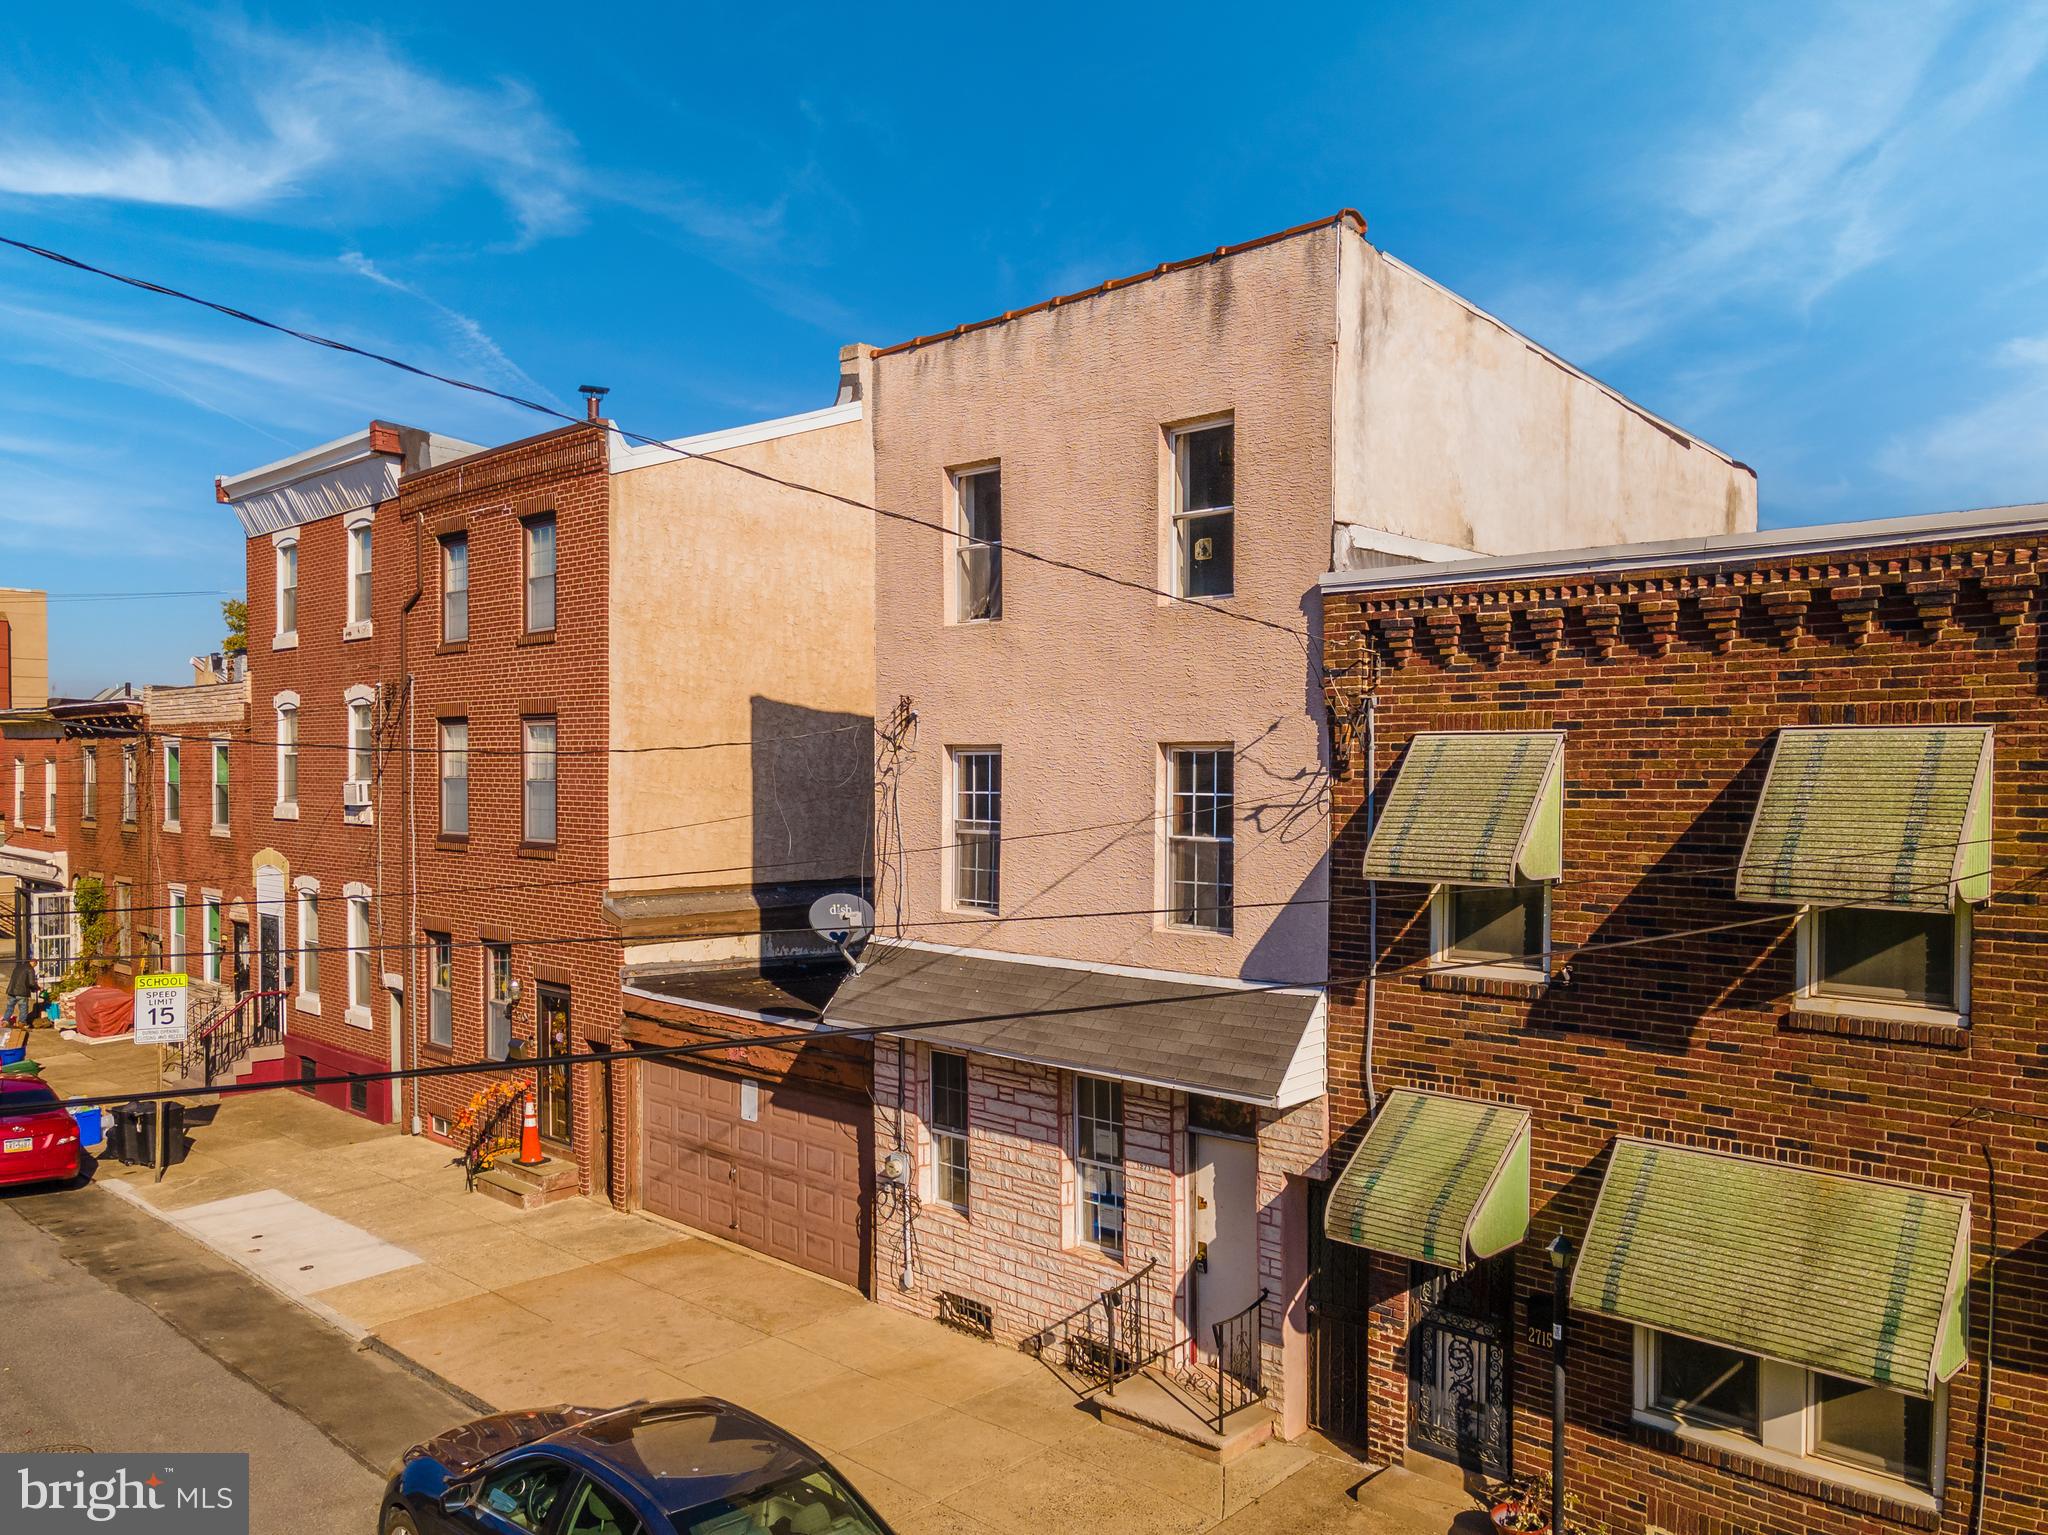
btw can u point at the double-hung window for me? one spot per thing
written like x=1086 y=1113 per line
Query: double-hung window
x=538 y=769
x=220 y=786
x=211 y=962
x=362 y=966
x=287 y=756
x=979 y=579
x=20 y=791
x=89 y=783
x=359 y=563
x=949 y=1128
x=1099 y=1162
x=440 y=990
x=173 y=792
x=129 y=775
x=49 y=794
x=455 y=589
x=540 y=574
x=1205 y=491
x=497 y=1001
x=288 y=591
x=309 y=946
x=362 y=743
x=177 y=927
x=455 y=778
x=1201 y=821
x=977 y=829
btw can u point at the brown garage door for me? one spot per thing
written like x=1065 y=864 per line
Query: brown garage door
x=787 y=1183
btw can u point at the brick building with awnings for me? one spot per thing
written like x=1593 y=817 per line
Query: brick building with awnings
x=1685 y=906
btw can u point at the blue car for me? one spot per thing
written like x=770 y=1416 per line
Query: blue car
x=699 y=1466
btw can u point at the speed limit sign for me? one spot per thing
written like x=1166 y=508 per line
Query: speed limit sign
x=160 y=1008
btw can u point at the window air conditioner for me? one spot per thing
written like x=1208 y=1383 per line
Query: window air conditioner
x=355 y=794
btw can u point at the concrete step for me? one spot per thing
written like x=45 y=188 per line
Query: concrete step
x=528 y=1188
x=1142 y=1405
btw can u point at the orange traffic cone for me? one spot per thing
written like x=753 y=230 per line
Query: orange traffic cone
x=529 y=1139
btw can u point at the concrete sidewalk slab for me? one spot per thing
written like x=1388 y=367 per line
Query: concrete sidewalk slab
x=290 y=1243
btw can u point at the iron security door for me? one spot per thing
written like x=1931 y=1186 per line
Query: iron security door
x=1458 y=1365
x=1339 y=1328
x=269 y=969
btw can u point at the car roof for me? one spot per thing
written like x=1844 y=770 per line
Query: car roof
x=683 y=1453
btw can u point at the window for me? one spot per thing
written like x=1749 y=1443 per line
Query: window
x=49 y=794
x=220 y=786
x=359 y=1097
x=1905 y=958
x=307 y=1069
x=124 y=909
x=555 y=1090
x=1200 y=824
x=173 y=791
x=89 y=783
x=455 y=589
x=1791 y=1414
x=977 y=829
x=20 y=792
x=497 y=1001
x=1487 y=925
x=811 y=1501
x=979 y=580
x=309 y=946
x=359 y=574
x=525 y=1494
x=288 y=591
x=288 y=755
x=55 y=932
x=600 y=1512
x=362 y=742
x=438 y=1123
x=128 y=786
x=538 y=759
x=1099 y=1161
x=540 y=575
x=440 y=990
x=949 y=1127
x=455 y=778
x=362 y=964
x=177 y=926
x=1205 y=488
x=211 y=960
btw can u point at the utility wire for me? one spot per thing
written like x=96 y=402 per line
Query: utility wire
x=538 y=407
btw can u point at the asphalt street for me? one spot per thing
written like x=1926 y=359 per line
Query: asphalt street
x=119 y=1333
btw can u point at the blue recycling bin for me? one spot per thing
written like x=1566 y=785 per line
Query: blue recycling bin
x=91 y=1126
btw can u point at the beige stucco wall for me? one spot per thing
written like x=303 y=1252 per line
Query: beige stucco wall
x=28 y=647
x=742 y=611
x=1081 y=682
x=1453 y=428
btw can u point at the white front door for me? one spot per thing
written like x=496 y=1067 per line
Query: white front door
x=1223 y=1186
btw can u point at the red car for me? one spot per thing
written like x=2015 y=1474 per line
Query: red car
x=38 y=1139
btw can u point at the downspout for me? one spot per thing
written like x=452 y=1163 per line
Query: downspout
x=408 y=1043
x=1372 y=897
x=1990 y=1343
x=902 y=1067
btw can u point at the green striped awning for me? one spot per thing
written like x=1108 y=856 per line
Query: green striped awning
x=1895 y=816
x=1850 y=1276
x=1478 y=807
x=1440 y=1179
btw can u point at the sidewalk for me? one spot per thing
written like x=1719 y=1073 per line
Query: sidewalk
x=577 y=1302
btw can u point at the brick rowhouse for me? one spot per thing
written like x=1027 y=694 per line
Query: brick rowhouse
x=1670 y=673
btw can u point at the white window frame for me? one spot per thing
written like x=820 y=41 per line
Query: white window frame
x=1169 y=762
x=449 y=591
x=53 y=930
x=1788 y=1425
x=529 y=759
x=1809 y=997
x=528 y=577
x=441 y=990
x=131 y=785
x=1441 y=958
x=1086 y=1226
x=89 y=784
x=49 y=794
x=307 y=906
x=360 y=533
x=286 y=708
x=362 y=964
x=1179 y=513
x=285 y=558
x=213 y=928
x=360 y=760
x=497 y=1001
x=220 y=785
x=20 y=792
x=450 y=753
x=959 y=826
x=177 y=927
x=948 y=1138
x=962 y=542
x=174 y=805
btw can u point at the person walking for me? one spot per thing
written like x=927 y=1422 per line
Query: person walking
x=21 y=989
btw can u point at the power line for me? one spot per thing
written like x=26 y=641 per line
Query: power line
x=538 y=407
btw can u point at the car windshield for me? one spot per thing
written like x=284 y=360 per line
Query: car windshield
x=811 y=1503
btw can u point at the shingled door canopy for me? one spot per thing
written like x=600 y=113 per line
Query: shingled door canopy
x=1479 y=807
x=1439 y=1179
x=1896 y=817
x=1850 y=1276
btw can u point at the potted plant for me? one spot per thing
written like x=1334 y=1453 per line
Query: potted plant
x=1523 y=1508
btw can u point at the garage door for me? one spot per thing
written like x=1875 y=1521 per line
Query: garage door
x=787 y=1182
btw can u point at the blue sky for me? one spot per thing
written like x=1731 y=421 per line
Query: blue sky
x=1817 y=235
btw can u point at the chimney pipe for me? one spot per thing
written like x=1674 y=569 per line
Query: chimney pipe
x=592 y=395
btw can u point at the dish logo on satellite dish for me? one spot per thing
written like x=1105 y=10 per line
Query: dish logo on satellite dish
x=842 y=920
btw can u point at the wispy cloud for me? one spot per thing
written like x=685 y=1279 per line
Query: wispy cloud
x=471 y=342
x=1819 y=175
x=1993 y=451
x=288 y=116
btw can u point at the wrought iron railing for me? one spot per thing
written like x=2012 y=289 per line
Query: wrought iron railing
x=1111 y=1338
x=497 y=1131
x=228 y=1034
x=1240 y=1360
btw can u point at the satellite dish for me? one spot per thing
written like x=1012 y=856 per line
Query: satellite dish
x=843 y=920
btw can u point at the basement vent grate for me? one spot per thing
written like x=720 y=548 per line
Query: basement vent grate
x=974 y=1317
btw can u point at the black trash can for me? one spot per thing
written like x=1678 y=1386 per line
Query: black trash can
x=174 y=1134
x=122 y=1136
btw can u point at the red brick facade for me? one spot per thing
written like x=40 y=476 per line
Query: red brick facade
x=1670 y=685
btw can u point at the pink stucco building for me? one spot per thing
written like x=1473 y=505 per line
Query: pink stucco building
x=1103 y=813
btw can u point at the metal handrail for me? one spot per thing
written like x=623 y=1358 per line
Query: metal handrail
x=490 y=1136
x=1109 y=1339
x=1240 y=1360
x=203 y=1045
